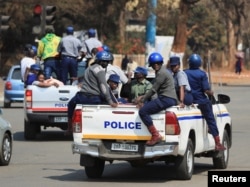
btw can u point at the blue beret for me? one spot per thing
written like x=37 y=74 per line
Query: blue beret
x=141 y=70
x=174 y=60
x=115 y=78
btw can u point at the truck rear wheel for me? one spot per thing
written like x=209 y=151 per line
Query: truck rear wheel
x=184 y=165
x=96 y=170
x=6 y=104
x=30 y=130
x=220 y=160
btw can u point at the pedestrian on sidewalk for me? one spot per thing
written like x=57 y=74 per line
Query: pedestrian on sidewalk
x=238 y=64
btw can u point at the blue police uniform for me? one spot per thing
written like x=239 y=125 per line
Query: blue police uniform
x=199 y=83
x=30 y=78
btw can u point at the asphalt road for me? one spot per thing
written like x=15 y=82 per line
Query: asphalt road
x=48 y=161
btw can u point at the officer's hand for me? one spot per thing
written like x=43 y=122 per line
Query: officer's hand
x=139 y=105
x=138 y=100
x=181 y=105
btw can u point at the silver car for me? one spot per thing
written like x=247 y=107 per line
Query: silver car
x=6 y=141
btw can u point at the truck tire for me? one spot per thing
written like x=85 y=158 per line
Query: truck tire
x=220 y=160
x=96 y=170
x=184 y=165
x=30 y=130
x=6 y=104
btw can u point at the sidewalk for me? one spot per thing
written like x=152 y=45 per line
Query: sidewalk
x=230 y=78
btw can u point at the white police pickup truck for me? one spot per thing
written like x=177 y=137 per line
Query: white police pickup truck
x=46 y=107
x=102 y=133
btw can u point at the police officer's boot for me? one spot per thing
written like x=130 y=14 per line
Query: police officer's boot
x=156 y=137
x=218 y=145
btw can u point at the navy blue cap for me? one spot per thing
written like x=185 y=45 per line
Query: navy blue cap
x=70 y=30
x=115 y=78
x=174 y=60
x=141 y=70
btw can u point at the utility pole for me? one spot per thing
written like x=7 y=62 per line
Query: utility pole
x=150 y=28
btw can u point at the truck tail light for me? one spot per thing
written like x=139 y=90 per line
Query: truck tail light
x=77 y=121
x=8 y=85
x=28 y=99
x=172 y=125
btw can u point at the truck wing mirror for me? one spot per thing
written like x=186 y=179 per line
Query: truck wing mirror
x=224 y=99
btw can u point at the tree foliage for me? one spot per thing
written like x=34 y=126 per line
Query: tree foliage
x=208 y=21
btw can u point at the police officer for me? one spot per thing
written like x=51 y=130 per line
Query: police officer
x=32 y=76
x=69 y=49
x=199 y=84
x=94 y=87
x=140 y=85
x=182 y=86
x=163 y=86
x=89 y=44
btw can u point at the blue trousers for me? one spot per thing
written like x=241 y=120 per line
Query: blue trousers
x=81 y=98
x=51 y=65
x=68 y=66
x=188 y=98
x=207 y=112
x=155 y=106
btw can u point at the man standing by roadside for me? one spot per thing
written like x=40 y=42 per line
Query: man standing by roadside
x=69 y=48
x=47 y=51
x=124 y=64
x=89 y=44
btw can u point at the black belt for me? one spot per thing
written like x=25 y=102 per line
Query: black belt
x=65 y=56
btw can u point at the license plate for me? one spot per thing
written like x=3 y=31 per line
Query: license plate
x=61 y=119
x=124 y=147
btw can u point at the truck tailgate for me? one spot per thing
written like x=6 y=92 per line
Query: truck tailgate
x=52 y=98
x=121 y=123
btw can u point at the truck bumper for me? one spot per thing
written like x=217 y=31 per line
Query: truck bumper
x=98 y=149
x=46 y=118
